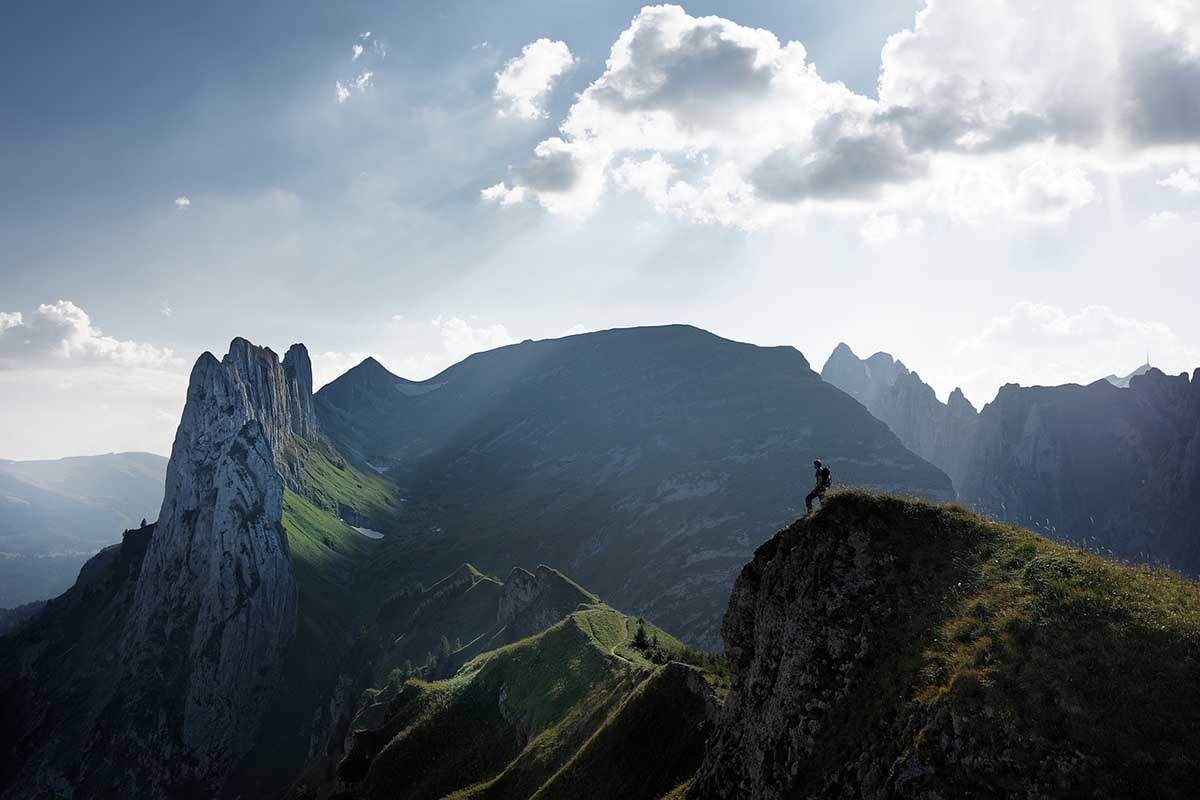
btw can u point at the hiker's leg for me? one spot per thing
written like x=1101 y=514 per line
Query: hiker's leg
x=808 y=500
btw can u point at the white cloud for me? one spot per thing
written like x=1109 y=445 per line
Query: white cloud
x=502 y=195
x=165 y=309
x=1042 y=344
x=182 y=202
x=379 y=48
x=1161 y=219
x=365 y=35
x=357 y=51
x=56 y=368
x=359 y=84
x=577 y=329
x=1185 y=179
x=62 y=335
x=526 y=80
x=992 y=110
x=460 y=338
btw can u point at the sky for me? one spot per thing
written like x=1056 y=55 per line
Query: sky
x=994 y=191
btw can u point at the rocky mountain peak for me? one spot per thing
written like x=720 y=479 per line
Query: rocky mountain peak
x=216 y=601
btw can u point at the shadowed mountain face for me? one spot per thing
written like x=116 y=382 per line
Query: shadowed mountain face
x=1117 y=469
x=54 y=515
x=1114 y=465
x=936 y=431
x=639 y=460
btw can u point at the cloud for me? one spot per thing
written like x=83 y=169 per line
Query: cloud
x=1001 y=110
x=365 y=35
x=881 y=229
x=359 y=84
x=502 y=195
x=525 y=81
x=165 y=309
x=1048 y=345
x=182 y=202
x=62 y=335
x=460 y=338
x=1185 y=179
x=357 y=51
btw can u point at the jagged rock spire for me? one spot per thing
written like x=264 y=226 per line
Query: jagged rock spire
x=216 y=601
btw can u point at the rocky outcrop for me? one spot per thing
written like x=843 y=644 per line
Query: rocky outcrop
x=889 y=649
x=533 y=601
x=1113 y=469
x=939 y=432
x=170 y=666
x=216 y=601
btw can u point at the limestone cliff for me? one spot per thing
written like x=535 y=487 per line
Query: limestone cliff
x=195 y=625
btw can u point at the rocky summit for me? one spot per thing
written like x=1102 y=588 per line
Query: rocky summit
x=887 y=648
x=939 y=432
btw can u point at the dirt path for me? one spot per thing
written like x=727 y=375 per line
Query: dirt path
x=612 y=651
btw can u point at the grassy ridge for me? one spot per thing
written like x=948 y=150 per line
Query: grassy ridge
x=1051 y=662
x=519 y=713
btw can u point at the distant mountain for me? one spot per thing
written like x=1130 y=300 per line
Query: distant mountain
x=54 y=515
x=938 y=432
x=1116 y=469
x=885 y=648
x=639 y=460
x=1123 y=381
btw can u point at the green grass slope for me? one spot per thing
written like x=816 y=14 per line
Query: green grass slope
x=953 y=656
x=511 y=719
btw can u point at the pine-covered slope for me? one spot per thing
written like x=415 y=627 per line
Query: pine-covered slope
x=889 y=648
x=637 y=460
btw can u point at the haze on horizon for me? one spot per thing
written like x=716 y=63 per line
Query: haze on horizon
x=991 y=192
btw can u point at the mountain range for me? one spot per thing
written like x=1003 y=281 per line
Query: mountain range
x=54 y=515
x=641 y=461
x=365 y=594
x=1114 y=465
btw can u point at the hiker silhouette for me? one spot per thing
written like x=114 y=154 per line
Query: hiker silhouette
x=823 y=482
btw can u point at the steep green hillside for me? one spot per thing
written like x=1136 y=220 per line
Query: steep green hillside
x=921 y=649
x=331 y=560
x=542 y=716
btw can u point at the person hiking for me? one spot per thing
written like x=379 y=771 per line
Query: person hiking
x=823 y=482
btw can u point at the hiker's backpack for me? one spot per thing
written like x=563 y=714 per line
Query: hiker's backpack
x=825 y=479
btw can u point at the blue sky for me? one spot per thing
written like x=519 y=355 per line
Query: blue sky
x=1039 y=251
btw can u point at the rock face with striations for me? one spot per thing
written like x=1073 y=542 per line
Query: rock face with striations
x=216 y=601
x=939 y=432
x=195 y=647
